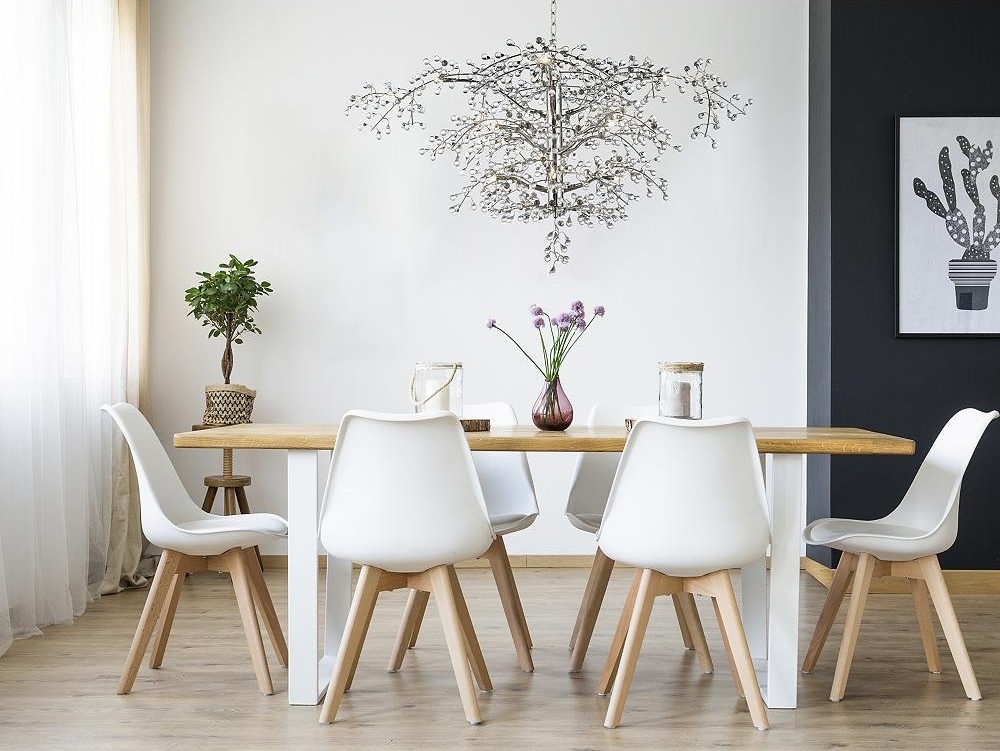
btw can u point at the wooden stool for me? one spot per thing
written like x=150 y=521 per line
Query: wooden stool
x=234 y=496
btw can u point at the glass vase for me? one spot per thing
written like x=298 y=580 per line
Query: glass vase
x=552 y=410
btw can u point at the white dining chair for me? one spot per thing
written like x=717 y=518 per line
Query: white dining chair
x=585 y=505
x=403 y=500
x=509 y=491
x=193 y=540
x=905 y=543
x=687 y=505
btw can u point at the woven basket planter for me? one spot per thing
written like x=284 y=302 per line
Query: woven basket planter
x=228 y=404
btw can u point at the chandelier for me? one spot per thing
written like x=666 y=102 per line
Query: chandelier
x=552 y=134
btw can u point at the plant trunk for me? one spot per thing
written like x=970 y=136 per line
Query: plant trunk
x=227 y=361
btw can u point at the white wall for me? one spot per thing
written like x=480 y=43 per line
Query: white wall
x=252 y=154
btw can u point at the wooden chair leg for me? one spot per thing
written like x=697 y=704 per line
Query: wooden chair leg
x=931 y=569
x=418 y=617
x=618 y=640
x=690 y=612
x=504 y=578
x=922 y=604
x=365 y=595
x=240 y=572
x=476 y=660
x=586 y=619
x=732 y=626
x=166 y=621
x=262 y=596
x=455 y=637
x=411 y=613
x=729 y=649
x=681 y=620
x=244 y=506
x=210 y=494
x=831 y=605
x=165 y=571
x=644 y=597
x=357 y=655
x=852 y=626
x=229 y=501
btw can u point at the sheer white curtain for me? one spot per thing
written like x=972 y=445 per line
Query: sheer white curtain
x=73 y=281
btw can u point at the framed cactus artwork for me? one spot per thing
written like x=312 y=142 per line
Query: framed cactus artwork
x=947 y=226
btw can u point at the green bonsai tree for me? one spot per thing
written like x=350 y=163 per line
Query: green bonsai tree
x=225 y=302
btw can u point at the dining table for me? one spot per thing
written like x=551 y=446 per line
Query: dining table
x=770 y=604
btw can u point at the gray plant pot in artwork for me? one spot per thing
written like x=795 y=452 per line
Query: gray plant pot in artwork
x=972 y=282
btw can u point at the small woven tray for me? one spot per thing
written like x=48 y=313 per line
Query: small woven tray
x=475 y=425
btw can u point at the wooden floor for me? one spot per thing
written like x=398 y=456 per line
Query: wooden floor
x=58 y=691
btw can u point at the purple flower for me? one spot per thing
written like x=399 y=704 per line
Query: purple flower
x=491 y=323
x=581 y=324
x=564 y=318
x=539 y=322
x=577 y=306
x=564 y=325
x=536 y=311
x=599 y=310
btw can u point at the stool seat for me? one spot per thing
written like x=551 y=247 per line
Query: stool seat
x=227 y=481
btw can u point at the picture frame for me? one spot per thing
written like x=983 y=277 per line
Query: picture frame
x=947 y=226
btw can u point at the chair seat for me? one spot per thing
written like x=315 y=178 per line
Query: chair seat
x=883 y=540
x=587 y=522
x=503 y=524
x=218 y=534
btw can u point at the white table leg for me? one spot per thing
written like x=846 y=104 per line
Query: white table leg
x=304 y=685
x=338 y=606
x=753 y=588
x=783 y=612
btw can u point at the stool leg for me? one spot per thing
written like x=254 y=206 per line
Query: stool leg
x=241 y=500
x=210 y=494
x=230 y=503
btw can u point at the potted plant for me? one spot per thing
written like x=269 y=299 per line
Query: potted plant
x=225 y=301
x=973 y=272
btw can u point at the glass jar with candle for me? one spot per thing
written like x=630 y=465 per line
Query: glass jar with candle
x=437 y=386
x=680 y=389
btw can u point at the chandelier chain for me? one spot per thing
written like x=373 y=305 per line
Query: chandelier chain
x=552 y=15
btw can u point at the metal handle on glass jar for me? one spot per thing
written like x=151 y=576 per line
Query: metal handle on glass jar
x=413 y=387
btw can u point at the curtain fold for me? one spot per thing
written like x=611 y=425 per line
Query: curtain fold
x=73 y=301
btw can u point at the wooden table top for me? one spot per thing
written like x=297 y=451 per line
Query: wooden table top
x=528 y=438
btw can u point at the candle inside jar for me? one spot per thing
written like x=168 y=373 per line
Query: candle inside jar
x=436 y=401
x=678 y=399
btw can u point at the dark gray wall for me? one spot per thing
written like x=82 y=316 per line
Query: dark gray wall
x=921 y=58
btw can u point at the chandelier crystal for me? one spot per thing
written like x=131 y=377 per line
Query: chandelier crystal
x=552 y=134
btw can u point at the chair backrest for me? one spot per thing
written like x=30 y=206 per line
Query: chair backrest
x=504 y=476
x=163 y=500
x=931 y=502
x=402 y=493
x=688 y=497
x=594 y=471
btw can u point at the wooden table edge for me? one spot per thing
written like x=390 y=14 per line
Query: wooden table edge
x=770 y=440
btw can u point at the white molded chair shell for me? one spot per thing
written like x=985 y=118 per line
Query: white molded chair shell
x=688 y=498
x=926 y=521
x=504 y=476
x=402 y=493
x=170 y=518
x=595 y=471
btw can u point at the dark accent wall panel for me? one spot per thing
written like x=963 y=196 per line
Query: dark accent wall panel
x=818 y=347
x=917 y=57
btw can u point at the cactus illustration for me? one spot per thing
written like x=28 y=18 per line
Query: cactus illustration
x=977 y=244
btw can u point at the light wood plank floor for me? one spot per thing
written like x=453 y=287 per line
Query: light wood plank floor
x=58 y=691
